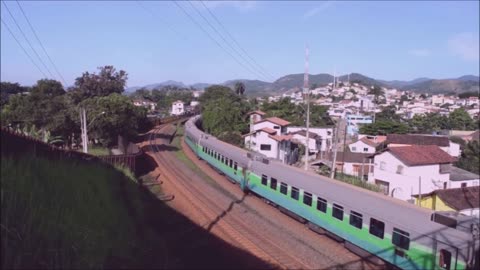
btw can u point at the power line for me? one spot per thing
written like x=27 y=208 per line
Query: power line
x=160 y=19
x=41 y=45
x=214 y=40
x=25 y=51
x=28 y=41
x=235 y=41
x=227 y=42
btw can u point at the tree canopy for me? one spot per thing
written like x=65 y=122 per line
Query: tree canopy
x=384 y=127
x=52 y=110
x=224 y=113
x=469 y=160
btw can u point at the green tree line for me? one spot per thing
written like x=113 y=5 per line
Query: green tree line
x=50 y=108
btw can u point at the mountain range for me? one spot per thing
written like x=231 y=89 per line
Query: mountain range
x=295 y=81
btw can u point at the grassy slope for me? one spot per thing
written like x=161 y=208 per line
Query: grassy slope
x=68 y=214
x=71 y=216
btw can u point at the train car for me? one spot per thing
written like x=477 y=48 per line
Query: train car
x=372 y=225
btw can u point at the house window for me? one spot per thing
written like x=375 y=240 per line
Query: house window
x=445 y=168
x=399 y=169
x=365 y=149
x=382 y=165
x=444 y=185
x=464 y=185
x=295 y=193
x=337 y=211
x=307 y=198
x=264 y=179
x=377 y=228
x=354 y=148
x=356 y=219
x=401 y=239
x=273 y=183
x=384 y=186
x=283 y=188
x=265 y=147
x=276 y=127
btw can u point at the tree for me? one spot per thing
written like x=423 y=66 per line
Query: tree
x=106 y=82
x=384 y=127
x=239 y=88
x=428 y=123
x=378 y=92
x=7 y=89
x=314 y=86
x=403 y=98
x=224 y=113
x=468 y=94
x=388 y=113
x=469 y=160
x=48 y=88
x=460 y=119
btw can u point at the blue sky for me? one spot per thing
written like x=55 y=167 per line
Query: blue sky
x=382 y=39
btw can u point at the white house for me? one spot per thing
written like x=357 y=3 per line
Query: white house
x=145 y=103
x=314 y=141
x=394 y=140
x=325 y=134
x=178 y=108
x=363 y=145
x=403 y=172
x=268 y=137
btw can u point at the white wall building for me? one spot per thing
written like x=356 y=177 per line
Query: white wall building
x=363 y=145
x=325 y=134
x=178 y=108
x=406 y=171
x=453 y=149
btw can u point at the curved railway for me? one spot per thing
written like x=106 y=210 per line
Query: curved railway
x=232 y=219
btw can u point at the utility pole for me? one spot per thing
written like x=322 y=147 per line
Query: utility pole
x=306 y=93
x=344 y=146
x=334 y=161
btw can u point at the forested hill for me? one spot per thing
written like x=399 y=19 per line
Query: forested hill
x=289 y=82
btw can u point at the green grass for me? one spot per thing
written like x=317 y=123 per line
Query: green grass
x=182 y=157
x=64 y=214
x=98 y=151
x=352 y=180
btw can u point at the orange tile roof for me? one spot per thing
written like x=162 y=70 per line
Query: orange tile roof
x=268 y=130
x=280 y=138
x=275 y=120
x=257 y=112
x=417 y=155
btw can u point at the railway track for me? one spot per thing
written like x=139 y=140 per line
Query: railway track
x=206 y=207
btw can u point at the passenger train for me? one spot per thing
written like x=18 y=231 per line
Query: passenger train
x=370 y=224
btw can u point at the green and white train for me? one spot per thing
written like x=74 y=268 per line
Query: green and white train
x=370 y=224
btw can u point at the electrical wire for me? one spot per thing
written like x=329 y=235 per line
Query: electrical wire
x=41 y=44
x=211 y=38
x=227 y=42
x=25 y=51
x=236 y=42
x=28 y=41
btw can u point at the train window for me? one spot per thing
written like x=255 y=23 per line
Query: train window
x=401 y=238
x=295 y=193
x=230 y=163
x=221 y=158
x=283 y=188
x=235 y=166
x=215 y=155
x=337 y=211
x=307 y=198
x=264 y=179
x=356 y=219
x=377 y=228
x=273 y=183
x=321 y=205
x=444 y=259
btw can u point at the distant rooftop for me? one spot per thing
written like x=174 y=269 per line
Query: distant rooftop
x=416 y=139
x=457 y=174
x=417 y=155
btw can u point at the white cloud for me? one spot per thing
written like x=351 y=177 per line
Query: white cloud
x=465 y=45
x=419 y=52
x=239 y=5
x=314 y=11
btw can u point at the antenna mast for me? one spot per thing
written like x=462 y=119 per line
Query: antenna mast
x=306 y=95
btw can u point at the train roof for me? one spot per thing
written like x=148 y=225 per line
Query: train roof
x=403 y=214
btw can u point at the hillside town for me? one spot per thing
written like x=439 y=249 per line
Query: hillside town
x=410 y=167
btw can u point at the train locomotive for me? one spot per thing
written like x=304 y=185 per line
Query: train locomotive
x=370 y=224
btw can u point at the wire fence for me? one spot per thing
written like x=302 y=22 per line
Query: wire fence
x=18 y=144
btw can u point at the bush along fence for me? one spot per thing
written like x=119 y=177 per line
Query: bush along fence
x=17 y=144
